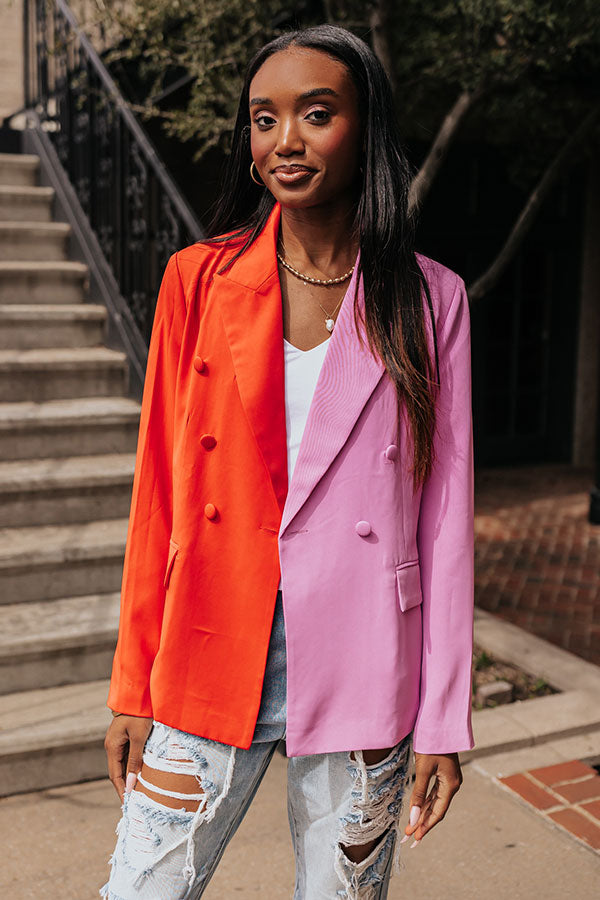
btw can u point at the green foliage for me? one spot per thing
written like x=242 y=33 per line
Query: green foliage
x=482 y=661
x=209 y=41
x=537 y=63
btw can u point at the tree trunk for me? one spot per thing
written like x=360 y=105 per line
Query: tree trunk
x=425 y=176
x=378 y=20
x=490 y=278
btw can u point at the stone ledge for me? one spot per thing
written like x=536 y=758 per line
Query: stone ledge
x=527 y=723
x=511 y=644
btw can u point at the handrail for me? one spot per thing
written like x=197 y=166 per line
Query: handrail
x=134 y=207
x=132 y=123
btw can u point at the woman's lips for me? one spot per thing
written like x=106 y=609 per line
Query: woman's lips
x=292 y=174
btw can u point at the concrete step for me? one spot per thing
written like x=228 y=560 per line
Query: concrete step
x=50 y=561
x=60 y=373
x=91 y=425
x=19 y=168
x=42 y=281
x=29 y=325
x=53 y=736
x=23 y=203
x=62 y=641
x=33 y=240
x=60 y=491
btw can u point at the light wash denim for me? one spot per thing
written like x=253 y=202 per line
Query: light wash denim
x=333 y=798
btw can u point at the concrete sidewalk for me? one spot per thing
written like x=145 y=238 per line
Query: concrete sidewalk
x=56 y=844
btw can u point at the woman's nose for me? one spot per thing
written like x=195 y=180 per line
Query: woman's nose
x=288 y=138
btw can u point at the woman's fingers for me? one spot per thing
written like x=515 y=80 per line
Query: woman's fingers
x=436 y=808
x=424 y=769
x=138 y=734
x=116 y=744
x=432 y=807
x=124 y=745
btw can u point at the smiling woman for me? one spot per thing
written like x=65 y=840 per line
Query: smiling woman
x=299 y=561
x=307 y=139
x=305 y=146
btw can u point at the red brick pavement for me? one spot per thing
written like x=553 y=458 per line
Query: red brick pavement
x=558 y=791
x=537 y=558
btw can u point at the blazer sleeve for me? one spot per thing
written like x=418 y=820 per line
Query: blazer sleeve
x=445 y=540
x=151 y=512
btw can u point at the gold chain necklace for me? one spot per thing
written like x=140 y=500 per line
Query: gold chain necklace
x=329 y=320
x=310 y=278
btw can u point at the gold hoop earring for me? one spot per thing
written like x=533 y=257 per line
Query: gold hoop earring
x=253 y=166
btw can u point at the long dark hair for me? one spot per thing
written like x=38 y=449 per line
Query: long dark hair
x=394 y=283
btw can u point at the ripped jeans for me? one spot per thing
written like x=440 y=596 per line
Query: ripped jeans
x=335 y=801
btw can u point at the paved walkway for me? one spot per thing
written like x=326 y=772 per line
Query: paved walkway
x=537 y=558
x=490 y=846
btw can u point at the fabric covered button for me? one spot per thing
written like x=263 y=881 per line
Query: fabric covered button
x=363 y=528
x=391 y=452
x=210 y=510
x=208 y=441
x=199 y=364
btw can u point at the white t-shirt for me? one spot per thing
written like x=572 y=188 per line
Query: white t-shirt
x=302 y=369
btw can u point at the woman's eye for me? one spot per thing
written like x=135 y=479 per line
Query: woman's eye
x=321 y=115
x=264 y=120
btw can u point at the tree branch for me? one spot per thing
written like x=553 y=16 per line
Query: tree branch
x=447 y=132
x=489 y=279
x=378 y=22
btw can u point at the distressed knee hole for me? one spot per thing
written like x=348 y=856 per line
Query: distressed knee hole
x=368 y=830
x=358 y=853
x=171 y=789
x=185 y=778
x=374 y=757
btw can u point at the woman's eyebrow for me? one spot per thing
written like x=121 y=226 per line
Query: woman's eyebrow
x=314 y=92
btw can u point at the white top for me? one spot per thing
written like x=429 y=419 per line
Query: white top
x=302 y=369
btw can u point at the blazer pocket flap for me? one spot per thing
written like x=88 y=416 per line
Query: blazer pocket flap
x=408 y=581
x=173 y=550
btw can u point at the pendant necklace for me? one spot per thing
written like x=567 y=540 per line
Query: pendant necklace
x=309 y=279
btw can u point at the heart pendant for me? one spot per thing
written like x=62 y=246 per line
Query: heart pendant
x=329 y=323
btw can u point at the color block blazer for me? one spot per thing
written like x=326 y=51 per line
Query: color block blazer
x=377 y=580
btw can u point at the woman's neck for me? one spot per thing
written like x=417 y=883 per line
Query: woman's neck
x=318 y=238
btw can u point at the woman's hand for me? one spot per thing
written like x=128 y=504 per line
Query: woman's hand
x=426 y=810
x=124 y=745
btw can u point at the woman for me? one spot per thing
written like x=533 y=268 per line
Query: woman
x=306 y=339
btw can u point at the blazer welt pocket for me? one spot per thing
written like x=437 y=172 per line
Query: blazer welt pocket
x=408 y=582
x=173 y=550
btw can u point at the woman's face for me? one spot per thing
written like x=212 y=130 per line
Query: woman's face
x=305 y=127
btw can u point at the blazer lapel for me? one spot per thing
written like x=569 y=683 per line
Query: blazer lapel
x=347 y=379
x=249 y=295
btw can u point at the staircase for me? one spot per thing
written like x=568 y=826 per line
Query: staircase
x=68 y=435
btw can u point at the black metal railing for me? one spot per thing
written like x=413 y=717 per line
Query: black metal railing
x=135 y=209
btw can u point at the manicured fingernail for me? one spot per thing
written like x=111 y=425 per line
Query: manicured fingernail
x=405 y=838
x=415 y=812
x=414 y=844
x=130 y=782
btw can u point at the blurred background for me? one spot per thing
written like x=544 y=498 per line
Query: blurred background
x=115 y=122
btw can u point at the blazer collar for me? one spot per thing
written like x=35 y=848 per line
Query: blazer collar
x=257 y=267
